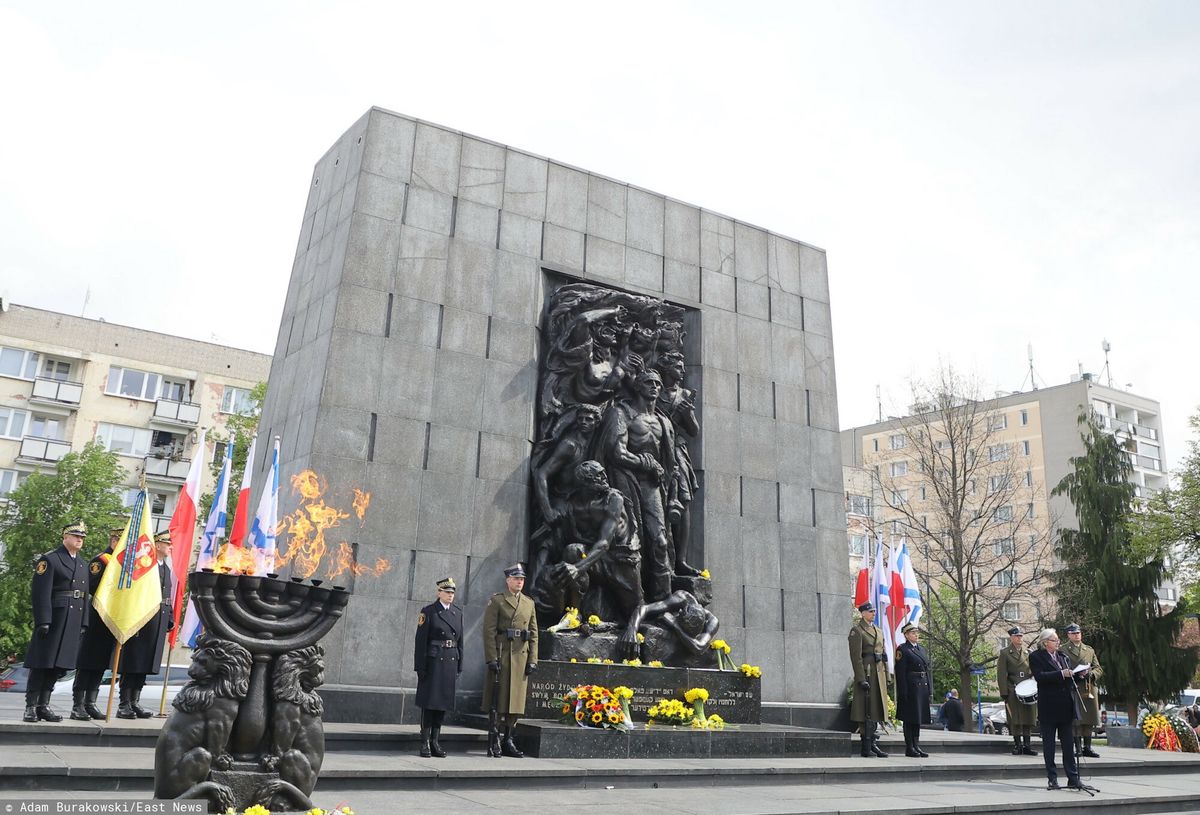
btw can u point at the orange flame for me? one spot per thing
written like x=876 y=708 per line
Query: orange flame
x=344 y=562
x=235 y=560
x=306 y=527
x=362 y=500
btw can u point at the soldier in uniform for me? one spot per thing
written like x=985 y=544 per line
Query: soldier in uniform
x=60 y=614
x=142 y=653
x=1012 y=668
x=96 y=645
x=870 y=678
x=1085 y=681
x=510 y=644
x=912 y=689
x=438 y=662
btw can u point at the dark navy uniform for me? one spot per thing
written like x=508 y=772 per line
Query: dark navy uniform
x=437 y=659
x=142 y=653
x=60 y=613
x=912 y=693
x=95 y=649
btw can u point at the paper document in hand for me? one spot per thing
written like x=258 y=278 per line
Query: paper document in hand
x=1078 y=669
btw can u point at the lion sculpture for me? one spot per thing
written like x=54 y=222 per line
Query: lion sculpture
x=296 y=743
x=193 y=742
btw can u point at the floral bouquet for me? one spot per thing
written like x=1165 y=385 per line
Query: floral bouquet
x=751 y=670
x=570 y=619
x=713 y=722
x=696 y=697
x=623 y=695
x=724 y=662
x=595 y=706
x=1159 y=733
x=671 y=711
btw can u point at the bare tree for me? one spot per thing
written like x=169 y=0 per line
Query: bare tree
x=952 y=479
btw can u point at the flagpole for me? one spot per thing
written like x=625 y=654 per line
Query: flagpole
x=112 y=688
x=162 y=703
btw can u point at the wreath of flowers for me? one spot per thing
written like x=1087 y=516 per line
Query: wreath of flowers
x=1159 y=733
x=594 y=706
x=671 y=711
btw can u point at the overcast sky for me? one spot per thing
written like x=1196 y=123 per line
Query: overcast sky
x=983 y=175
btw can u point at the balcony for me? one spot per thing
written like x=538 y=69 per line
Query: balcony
x=175 y=414
x=166 y=470
x=56 y=393
x=38 y=450
x=1146 y=432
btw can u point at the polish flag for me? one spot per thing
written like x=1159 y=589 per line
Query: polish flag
x=237 y=535
x=881 y=588
x=183 y=531
x=862 y=586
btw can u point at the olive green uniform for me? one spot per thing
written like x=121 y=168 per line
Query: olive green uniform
x=510 y=637
x=869 y=662
x=1012 y=668
x=1083 y=654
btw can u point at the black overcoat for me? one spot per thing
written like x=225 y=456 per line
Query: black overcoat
x=912 y=684
x=60 y=600
x=1056 y=703
x=143 y=652
x=438 y=655
x=96 y=646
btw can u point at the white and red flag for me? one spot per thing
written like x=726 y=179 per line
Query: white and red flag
x=183 y=532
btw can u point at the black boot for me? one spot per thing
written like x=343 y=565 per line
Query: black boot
x=89 y=703
x=508 y=747
x=865 y=739
x=135 y=699
x=124 y=711
x=425 y=752
x=1026 y=750
x=31 y=698
x=44 y=712
x=435 y=748
x=1016 y=748
x=77 y=710
x=875 y=750
x=1087 y=748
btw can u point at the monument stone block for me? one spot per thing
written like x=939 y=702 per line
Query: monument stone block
x=525 y=185
x=567 y=198
x=481 y=174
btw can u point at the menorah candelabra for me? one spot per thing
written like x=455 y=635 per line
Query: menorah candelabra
x=247 y=727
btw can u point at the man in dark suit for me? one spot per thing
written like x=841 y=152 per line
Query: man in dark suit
x=142 y=654
x=438 y=662
x=96 y=645
x=912 y=689
x=1057 y=707
x=60 y=613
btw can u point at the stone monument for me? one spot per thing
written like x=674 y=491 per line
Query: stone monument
x=506 y=351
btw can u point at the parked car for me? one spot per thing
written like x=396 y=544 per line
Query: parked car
x=14 y=678
x=1117 y=718
x=150 y=696
x=995 y=719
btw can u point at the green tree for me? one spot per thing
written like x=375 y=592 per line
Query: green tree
x=85 y=486
x=1108 y=585
x=240 y=429
x=941 y=637
x=1170 y=520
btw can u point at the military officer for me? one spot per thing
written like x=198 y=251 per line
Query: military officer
x=510 y=644
x=60 y=613
x=912 y=689
x=438 y=662
x=142 y=653
x=1085 y=681
x=96 y=645
x=869 y=661
x=1012 y=668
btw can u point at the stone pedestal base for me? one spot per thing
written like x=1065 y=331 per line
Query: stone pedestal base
x=247 y=782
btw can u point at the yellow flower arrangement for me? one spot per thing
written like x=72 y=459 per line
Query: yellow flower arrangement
x=597 y=718
x=594 y=706
x=671 y=711
x=704 y=573
x=594 y=620
x=724 y=661
x=570 y=619
x=606 y=661
x=655 y=663
x=573 y=659
x=696 y=693
x=641 y=637
x=715 y=722
x=720 y=645
x=633 y=663
x=256 y=809
x=622 y=692
x=751 y=670
x=594 y=660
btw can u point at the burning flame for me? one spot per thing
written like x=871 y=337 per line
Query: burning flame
x=362 y=500
x=307 y=527
x=236 y=560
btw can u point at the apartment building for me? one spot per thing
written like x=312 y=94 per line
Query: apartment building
x=1031 y=439
x=67 y=380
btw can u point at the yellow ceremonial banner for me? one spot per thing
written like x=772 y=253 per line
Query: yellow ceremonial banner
x=130 y=593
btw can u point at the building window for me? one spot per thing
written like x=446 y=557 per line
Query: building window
x=1025 y=448
x=1029 y=513
x=922 y=493
x=1003 y=546
x=46 y=427
x=1024 y=417
x=998 y=421
x=132 y=383
x=875 y=445
x=971 y=487
x=12 y=423
x=899 y=468
x=218 y=452
x=897 y=527
x=56 y=369
x=18 y=363
x=1011 y=611
x=897 y=442
x=1029 y=478
x=1006 y=578
x=1004 y=514
x=10 y=480
x=236 y=400
x=996 y=483
x=858 y=504
x=858 y=545
x=998 y=452
x=899 y=497
x=129 y=441
x=174 y=390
